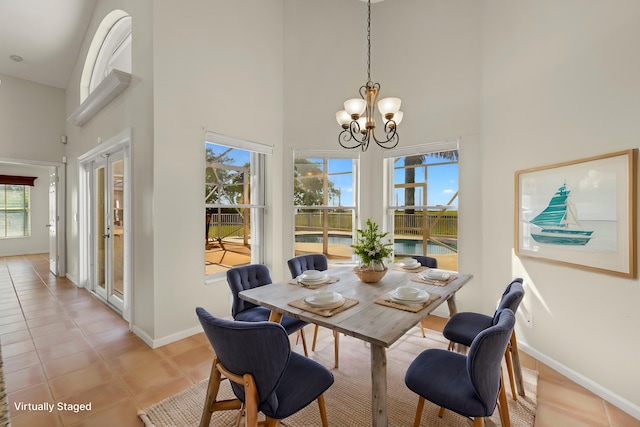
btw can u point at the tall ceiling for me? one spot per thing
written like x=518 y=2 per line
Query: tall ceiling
x=47 y=34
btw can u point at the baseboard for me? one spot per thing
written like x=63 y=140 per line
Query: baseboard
x=142 y=335
x=72 y=279
x=155 y=343
x=606 y=394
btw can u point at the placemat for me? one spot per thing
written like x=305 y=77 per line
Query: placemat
x=408 y=270
x=419 y=278
x=328 y=282
x=299 y=303
x=414 y=308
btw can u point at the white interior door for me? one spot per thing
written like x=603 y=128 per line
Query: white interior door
x=53 y=221
x=108 y=234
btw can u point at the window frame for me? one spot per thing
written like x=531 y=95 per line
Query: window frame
x=389 y=156
x=258 y=196
x=328 y=155
x=26 y=212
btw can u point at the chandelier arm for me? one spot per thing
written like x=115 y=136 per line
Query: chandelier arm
x=392 y=137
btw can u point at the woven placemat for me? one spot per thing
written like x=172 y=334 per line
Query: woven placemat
x=420 y=279
x=299 y=303
x=414 y=308
x=408 y=270
x=328 y=282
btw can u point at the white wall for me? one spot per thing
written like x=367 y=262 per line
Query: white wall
x=38 y=242
x=31 y=120
x=132 y=109
x=560 y=82
x=217 y=67
x=31 y=124
x=425 y=52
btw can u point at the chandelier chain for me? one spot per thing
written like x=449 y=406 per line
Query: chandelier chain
x=369 y=41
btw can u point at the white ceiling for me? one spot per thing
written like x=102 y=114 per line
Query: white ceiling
x=47 y=34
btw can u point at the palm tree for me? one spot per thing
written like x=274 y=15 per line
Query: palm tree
x=411 y=163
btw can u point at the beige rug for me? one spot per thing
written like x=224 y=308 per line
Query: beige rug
x=4 y=408
x=349 y=399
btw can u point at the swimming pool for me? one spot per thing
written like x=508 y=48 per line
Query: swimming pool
x=400 y=246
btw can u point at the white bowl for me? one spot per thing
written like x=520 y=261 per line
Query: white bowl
x=313 y=274
x=407 y=292
x=324 y=296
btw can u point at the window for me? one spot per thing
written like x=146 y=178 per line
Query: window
x=115 y=52
x=110 y=49
x=423 y=203
x=15 y=215
x=234 y=202
x=325 y=204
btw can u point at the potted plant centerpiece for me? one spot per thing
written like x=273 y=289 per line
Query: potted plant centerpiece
x=372 y=251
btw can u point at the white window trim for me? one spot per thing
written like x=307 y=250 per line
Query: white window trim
x=258 y=192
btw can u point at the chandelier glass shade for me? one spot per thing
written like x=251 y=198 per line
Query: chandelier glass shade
x=357 y=119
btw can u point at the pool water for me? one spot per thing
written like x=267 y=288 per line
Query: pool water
x=400 y=246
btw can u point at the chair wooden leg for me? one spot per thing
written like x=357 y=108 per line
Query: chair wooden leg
x=507 y=358
x=478 y=422
x=441 y=412
x=419 y=409
x=323 y=411
x=451 y=346
x=517 y=368
x=270 y=422
x=503 y=405
x=251 y=401
x=336 y=347
x=422 y=328
x=210 y=402
x=304 y=342
x=315 y=338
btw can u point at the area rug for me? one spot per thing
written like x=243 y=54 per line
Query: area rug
x=349 y=398
x=4 y=408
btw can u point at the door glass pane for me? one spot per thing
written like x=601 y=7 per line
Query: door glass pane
x=100 y=227
x=117 y=228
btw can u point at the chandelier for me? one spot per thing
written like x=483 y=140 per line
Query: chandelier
x=357 y=118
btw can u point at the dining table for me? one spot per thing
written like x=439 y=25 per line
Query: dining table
x=368 y=313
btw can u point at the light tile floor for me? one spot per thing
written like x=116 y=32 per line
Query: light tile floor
x=60 y=344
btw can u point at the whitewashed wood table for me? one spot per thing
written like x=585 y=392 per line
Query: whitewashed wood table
x=376 y=324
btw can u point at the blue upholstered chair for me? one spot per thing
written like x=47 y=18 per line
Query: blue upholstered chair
x=251 y=276
x=266 y=376
x=462 y=328
x=297 y=266
x=425 y=261
x=469 y=385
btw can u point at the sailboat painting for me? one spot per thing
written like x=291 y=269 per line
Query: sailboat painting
x=559 y=223
x=580 y=213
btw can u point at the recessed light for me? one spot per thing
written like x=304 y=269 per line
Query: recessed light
x=16 y=58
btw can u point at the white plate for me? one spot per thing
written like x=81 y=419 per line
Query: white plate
x=435 y=274
x=313 y=274
x=336 y=301
x=410 y=266
x=308 y=281
x=421 y=297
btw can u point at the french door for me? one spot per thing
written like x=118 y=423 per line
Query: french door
x=108 y=229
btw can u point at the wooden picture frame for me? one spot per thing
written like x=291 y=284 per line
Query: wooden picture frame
x=580 y=213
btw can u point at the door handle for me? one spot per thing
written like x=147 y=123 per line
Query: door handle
x=106 y=236
x=48 y=225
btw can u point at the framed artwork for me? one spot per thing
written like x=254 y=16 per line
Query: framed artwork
x=581 y=213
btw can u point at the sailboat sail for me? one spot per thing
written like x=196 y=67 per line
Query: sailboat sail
x=559 y=222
